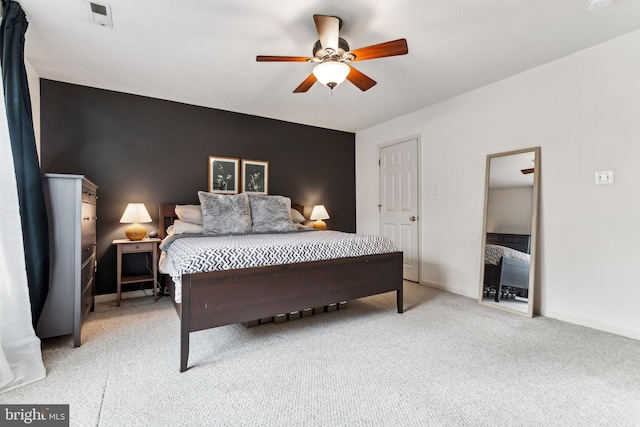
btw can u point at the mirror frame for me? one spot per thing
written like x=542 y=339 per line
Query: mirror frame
x=534 y=231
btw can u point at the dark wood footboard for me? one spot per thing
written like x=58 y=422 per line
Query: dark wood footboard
x=512 y=273
x=227 y=297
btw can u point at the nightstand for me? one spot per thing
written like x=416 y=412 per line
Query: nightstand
x=126 y=246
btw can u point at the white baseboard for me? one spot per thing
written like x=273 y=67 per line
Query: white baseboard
x=591 y=323
x=124 y=295
x=450 y=289
x=576 y=320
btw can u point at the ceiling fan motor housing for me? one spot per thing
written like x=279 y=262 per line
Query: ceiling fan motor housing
x=341 y=55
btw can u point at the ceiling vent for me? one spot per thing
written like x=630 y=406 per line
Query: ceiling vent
x=101 y=14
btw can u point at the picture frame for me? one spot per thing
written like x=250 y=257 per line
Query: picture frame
x=255 y=176
x=223 y=175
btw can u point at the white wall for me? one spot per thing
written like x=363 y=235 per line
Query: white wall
x=509 y=210
x=34 y=91
x=583 y=111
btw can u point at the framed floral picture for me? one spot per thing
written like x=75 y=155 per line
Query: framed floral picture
x=224 y=175
x=255 y=176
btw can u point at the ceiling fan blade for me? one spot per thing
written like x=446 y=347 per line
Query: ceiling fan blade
x=328 y=31
x=266 y=58
x=361 y=81
x=306 y=84
x=392 y=48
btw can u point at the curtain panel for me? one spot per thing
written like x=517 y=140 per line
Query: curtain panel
x=33 y=213
x=20 y=355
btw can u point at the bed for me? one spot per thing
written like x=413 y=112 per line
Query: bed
x=506 y=265
x=210 y=299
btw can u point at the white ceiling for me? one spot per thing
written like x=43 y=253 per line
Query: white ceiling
x=202 y=52
x=506 y=171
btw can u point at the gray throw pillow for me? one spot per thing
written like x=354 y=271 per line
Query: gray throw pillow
x=225 y=214
x=271 y=214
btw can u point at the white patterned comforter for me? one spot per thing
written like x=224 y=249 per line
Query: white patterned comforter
x=494 y=253
x=186 y=255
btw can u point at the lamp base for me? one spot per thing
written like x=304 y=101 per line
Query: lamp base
x=135 y=232
x=319 y=225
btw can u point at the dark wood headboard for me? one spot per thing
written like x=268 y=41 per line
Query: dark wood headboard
x=519 y=242
x=167 y=214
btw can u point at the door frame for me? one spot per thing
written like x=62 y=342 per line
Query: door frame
x=418 y=138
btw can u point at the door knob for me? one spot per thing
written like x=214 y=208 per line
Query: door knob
x=413 y=218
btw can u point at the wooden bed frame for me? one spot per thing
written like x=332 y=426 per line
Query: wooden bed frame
x=512 y=273
x=221 y=298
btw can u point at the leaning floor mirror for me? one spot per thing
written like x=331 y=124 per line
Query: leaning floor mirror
x=509 y=231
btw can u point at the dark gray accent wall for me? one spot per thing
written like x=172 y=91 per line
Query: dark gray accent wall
x=139 y=149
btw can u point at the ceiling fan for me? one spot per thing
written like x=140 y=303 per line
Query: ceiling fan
x=332 y=54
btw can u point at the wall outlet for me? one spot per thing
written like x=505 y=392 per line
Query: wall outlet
x=604 y=177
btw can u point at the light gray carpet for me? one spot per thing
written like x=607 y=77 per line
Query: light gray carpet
x=446 y=361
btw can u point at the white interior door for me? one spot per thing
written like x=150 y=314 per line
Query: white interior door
x=399 y=202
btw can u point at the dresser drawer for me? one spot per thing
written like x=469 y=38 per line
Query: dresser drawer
x=87 y=273
x=87 y=248
x=88 y=218
x=86 y=302
x=137 y=247
x=89 y=194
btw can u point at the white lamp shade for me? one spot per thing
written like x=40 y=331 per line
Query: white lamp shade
x=135 y=213
x=319 y=212
x=331 y=73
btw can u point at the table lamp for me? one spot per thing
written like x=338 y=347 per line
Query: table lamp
x=134 y=215
x=318 y=214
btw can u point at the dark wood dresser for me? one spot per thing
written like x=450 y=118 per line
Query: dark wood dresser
x=71 y=208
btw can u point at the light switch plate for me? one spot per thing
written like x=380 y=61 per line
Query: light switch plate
x=604 y=177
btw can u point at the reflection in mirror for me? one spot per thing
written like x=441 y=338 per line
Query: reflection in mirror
x=509 y=232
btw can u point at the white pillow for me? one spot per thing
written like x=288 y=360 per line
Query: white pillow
x=297 y=217
x=184 y=227
x=189 y=213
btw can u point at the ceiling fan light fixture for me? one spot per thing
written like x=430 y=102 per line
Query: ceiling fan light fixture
x=331 y=73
